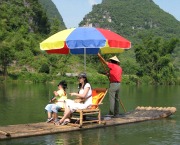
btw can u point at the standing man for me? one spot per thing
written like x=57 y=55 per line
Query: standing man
x=115 y=77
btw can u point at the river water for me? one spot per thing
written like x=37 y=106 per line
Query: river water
x=24 y=103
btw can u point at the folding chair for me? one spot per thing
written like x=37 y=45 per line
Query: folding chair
x=98 y=95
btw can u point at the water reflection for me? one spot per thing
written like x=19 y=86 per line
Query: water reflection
x=80 y=137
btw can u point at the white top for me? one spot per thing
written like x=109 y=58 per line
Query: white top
x=81 y=91
x=74 y=106
x=87 y=85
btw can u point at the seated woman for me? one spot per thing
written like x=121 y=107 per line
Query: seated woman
x=84 y=94
x=60 y=97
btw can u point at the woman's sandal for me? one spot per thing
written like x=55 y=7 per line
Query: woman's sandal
x=49 y=120
x=65 y=122
x=58 y=123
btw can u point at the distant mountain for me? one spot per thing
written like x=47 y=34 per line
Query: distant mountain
x=52 y=13
x=134 y=19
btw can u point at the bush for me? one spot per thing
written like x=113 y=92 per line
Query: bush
x=98 y=78
x=146 y=80
x=35 y=77
x=2 y=78
x=44 y=68
x=129 y=79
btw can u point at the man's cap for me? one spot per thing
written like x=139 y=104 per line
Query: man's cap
x=115 y=59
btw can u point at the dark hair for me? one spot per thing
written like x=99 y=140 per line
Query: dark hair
x=63 y=84
x=85 y=81
x=82 y=75
x=113 y=61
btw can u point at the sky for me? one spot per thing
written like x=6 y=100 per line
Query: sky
x=73 y=11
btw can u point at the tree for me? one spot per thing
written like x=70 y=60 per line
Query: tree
x=44 y=68
x=55 y=26
x=155 y=59
x=6 y=57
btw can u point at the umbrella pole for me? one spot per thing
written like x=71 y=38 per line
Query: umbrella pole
x=85 y=60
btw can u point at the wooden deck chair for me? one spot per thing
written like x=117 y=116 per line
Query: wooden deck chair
x=98 y=95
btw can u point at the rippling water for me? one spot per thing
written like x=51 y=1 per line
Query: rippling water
x=24 y=103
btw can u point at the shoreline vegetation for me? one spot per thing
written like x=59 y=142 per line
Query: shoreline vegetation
x=93 y=78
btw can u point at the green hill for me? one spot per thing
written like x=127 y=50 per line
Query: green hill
x=52 y=14
x=23 y=25
x=134 y=19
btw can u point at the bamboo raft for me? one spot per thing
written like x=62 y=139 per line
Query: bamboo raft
x=36 y=129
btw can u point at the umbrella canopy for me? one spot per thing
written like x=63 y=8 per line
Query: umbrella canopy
x=85 y=40
x=94 y=40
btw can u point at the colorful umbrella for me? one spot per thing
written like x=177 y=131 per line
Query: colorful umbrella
x=85 y=40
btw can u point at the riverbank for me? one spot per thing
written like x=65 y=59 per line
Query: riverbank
x=94 y=78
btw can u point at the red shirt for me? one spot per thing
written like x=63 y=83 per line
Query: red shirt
x=115 y=73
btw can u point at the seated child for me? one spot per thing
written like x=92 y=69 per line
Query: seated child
x=53 y=108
